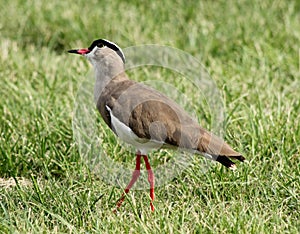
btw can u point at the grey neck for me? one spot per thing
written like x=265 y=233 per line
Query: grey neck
x=105 y=70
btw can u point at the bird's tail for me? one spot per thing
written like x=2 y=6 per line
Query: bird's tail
x=218 y=149
x=225 y=161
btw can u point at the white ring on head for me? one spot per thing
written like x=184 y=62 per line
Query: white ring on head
x=121 y=52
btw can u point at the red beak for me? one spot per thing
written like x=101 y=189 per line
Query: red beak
x=80 y=51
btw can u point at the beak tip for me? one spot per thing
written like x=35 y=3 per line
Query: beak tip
x=72 y=51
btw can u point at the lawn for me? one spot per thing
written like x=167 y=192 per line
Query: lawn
x=251 y=51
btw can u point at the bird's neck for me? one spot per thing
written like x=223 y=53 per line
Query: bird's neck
x=104 y=73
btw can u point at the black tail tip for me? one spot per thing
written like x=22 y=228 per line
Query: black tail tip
x=226 y=162
x=240 y=158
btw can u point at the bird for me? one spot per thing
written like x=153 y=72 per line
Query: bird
x=146 y=118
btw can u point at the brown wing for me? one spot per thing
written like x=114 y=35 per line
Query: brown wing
x=152 y=115
x=149 y=113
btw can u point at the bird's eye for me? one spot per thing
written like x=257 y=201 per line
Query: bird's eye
x=100 y=45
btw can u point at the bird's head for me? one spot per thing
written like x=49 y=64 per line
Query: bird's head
x=102 y=51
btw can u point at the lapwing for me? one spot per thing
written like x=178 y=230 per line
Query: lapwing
x=146 y=118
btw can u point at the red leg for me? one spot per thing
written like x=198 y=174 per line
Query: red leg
x=135 y=176
x=151 y=180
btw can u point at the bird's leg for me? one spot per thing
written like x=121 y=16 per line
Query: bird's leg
x=150 y=179
x=135 y=175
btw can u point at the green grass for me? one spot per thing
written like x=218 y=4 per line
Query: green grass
x=250 y=48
